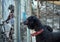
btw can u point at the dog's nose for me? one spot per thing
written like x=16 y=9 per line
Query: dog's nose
x=25 y=22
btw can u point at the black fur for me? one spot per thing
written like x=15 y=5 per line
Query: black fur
x=47 y=35
x=49 y=28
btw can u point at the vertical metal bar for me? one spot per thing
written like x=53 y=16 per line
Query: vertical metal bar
x=18 y=21
x=24 y=17
x=3 y=1
x=53 y=15
x=15 y=25
x=17 y=2
x=28 y=31
x=0 y=9
x=30 y=12
x=46 y=12
x=3 y=8
x=38 y=8
x=28 y=35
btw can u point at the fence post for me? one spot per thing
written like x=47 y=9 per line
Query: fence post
x=17 y=20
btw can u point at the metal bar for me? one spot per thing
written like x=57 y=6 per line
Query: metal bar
x=46 y=12
x=3 y=8
x=38 y=8
x=17 y=26
x=28 y=31
x=53 y=15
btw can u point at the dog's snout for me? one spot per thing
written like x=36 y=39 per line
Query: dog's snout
x=25 y=22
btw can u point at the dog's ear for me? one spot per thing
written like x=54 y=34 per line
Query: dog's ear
x=34 y=17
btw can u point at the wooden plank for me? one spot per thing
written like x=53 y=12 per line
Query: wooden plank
x=55 y=2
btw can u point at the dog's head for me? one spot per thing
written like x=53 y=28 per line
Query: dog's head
x=32 y=22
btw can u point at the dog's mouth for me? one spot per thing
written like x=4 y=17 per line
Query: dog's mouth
x=25 y=22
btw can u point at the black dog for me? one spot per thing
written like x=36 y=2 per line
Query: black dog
x=46 y=35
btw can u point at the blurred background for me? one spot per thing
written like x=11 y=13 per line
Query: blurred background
x=48 y=11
